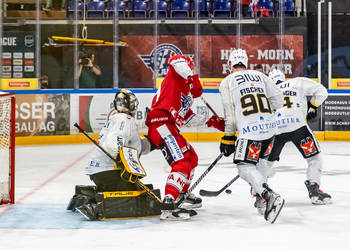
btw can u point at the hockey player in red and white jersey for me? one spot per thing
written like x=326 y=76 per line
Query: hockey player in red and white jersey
x=292 y=127
x=171 y=109
x=249 y=98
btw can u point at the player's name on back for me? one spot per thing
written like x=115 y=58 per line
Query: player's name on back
x=290 y=93
x=251 y=90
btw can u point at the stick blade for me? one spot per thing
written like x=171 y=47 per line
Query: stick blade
x=207 y=193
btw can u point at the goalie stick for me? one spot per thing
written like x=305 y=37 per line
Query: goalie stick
x=203 y=192
x=138 y=182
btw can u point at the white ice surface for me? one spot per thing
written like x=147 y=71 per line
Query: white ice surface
x=46 y=177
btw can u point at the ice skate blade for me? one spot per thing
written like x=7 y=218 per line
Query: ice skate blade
x=325 y=201
x=174 y=216
x=273 y=216
x=190 y=206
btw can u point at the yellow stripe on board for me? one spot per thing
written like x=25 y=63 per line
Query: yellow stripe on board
x=191 y=137
x=53 y=139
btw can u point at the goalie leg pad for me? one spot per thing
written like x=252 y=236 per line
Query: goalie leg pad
x=83 y=195
x=127 y=204
x=111 y=180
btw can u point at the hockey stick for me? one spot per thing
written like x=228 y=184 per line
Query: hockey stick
x=199 y=179
x=203 y=192
x=138 y=182
x=209 y=107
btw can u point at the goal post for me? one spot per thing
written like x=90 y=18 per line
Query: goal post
x=7 y=148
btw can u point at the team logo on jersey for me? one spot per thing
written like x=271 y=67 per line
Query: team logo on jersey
x=186 y=102
x=308 y=146
x=158 y=60
x=269 y=149
x=254 y=151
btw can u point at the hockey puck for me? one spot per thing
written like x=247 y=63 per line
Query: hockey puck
x=228 y=191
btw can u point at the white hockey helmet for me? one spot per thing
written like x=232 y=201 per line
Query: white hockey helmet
x=277 y=76
x=238 y=57
x=125 y=102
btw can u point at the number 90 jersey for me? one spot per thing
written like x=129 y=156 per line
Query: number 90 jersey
x=249 y=98
x=292 y=115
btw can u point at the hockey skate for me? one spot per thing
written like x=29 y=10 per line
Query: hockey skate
x=274 y=204
x=317 y=196
x=260 y=203
x=175 y=214
x=191 y=201
x=89 y=211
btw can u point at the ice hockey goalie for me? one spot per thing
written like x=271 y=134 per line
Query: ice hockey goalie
x=115 y=194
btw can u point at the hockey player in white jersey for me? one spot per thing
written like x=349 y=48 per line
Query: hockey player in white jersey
x=292 y=126
x=119 y=130
x=249 y=98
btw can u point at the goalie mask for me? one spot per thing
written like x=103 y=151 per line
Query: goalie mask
x=125 y=102
x=238 y=57
x=277 y=76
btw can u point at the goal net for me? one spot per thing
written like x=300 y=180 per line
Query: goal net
x=7 y=147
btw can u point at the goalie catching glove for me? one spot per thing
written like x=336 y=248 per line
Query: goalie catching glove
x=311 y=111
x=227 y=145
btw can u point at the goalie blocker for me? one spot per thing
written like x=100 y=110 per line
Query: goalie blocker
x=129 y=201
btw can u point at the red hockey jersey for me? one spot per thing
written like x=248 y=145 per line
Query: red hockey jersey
x=174 y=98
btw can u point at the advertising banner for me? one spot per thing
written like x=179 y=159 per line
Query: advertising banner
x=340 y=83
x=19 y=84
x=55 y=114
x=147 y=62
x=337 y=113
x=46 y=114
x=18 y=54
x=94 y=111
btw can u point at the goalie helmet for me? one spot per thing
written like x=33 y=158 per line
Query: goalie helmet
x=277 y=76
x=125 y=102
x=238 y=57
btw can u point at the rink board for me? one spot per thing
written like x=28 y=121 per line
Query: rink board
x=48 y=117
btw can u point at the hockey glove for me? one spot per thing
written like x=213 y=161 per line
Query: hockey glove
x=195 y=85
x=216 y=122
x=227 y=144
x=311 y=111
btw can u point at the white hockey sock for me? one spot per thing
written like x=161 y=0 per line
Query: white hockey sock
x=314 y=169
x=250 y=174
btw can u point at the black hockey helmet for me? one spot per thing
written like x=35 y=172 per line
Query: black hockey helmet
x=125 y=102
